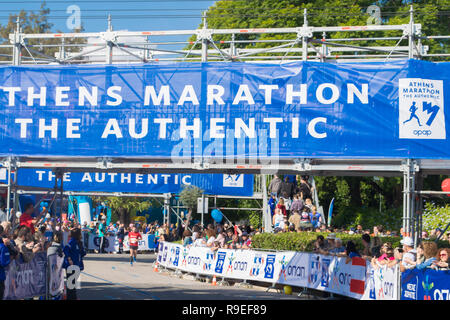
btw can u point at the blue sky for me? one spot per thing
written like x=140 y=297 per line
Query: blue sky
x=94 y=14
x=158 y=9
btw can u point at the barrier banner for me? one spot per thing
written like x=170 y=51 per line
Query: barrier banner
x=225 y=111
x=381 y=283
x=157 y=183
x=142 y=244
x=56 y=277
x=321 y=272
x=94 y=243
x=297 y=270
x=26 y=280
x=425 y=284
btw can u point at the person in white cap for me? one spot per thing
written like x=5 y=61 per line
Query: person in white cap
x=408 y=254
x=330 y=241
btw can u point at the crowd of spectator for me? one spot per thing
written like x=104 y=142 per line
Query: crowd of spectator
x=379 y=254
x=291 y=205
x=25 y=235
x=219 y=236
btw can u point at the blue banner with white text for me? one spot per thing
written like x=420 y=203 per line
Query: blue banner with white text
x=225 y=111
x=425 y=284
x=212 y=184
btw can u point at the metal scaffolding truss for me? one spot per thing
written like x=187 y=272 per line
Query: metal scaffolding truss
x=306 y=43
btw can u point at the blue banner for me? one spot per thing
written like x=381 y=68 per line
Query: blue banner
x=227 y=111
x=425 y=284
x=212 y=184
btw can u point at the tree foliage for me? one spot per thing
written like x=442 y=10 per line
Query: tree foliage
x=31 y=22
x=435 y=216
x=126 y=207
x=431 y=14
x=189 y=196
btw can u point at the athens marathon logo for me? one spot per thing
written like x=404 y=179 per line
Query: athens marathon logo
x=421 y=109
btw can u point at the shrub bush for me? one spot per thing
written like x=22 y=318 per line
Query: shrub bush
x=304 y=241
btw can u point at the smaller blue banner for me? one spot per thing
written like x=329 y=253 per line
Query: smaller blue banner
x=212 y=184
x=425 y=284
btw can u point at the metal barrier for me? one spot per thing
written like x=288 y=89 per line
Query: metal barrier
x=33 y=280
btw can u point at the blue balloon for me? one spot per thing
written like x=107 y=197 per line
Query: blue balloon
x=216 y=214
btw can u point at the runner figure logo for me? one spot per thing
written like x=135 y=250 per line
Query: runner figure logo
x=258 y=261
x=185 y=254
x=177 y=256
x=315 y=269
x=233 y=180
x=230 y=263
x=283 y=264
x=421 y=109
x=208 y=262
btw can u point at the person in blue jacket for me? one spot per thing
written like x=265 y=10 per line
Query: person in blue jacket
x=73 y=255
x=4 y=262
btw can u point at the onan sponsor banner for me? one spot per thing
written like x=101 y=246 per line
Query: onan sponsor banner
x=337 y=275
x=295 y=271
x=381 y=283
x=425 y=284
x=157 y=183
x=109 y=243
x=227 y=111
x=193 y=261
x=26 y=280
x=321 y=272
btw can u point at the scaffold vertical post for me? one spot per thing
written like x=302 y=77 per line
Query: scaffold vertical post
x=419 y=208
x=205 y=40
x=324 y=48
x=405 y=197
x=233 y=50
x=267 y=221
x=411 y=33
x=109 y=45
x=412 y=199
x=15 y=195
x=17 y=45
x=304 y=39
x=8 y=192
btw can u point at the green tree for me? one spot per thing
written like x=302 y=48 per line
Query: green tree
x=432 y=14
x=188 y=197
x=125 y=208
x=435 y=216
x=31 y=22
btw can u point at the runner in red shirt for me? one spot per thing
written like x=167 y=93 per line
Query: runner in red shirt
x=133 y=240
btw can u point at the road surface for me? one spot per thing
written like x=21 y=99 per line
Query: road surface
x=111 y=277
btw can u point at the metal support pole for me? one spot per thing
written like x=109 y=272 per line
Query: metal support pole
x=203 y=207
x=411 y=33
x=324 y=48
x=304 y=38
x=412 y=199
x=15 y=195
x=233 y=50
x=267 y=217
x=166 y=218
x=8 y=192
x=17 y=43
x=204 y=40
x=405 y=214
x=419 y=208
x=109 y=44
x=61 y=194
